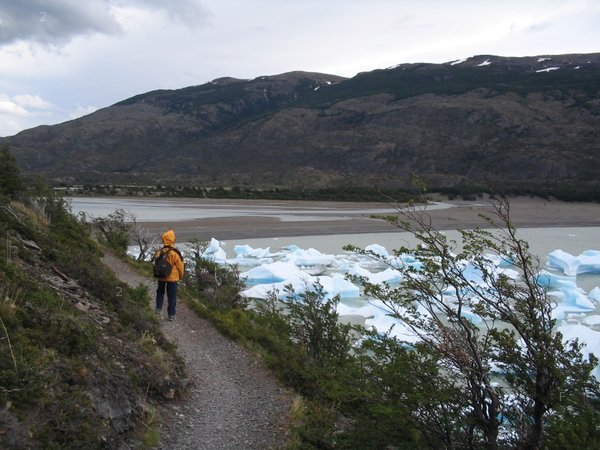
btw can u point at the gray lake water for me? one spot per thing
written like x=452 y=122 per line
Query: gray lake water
x=542 y=241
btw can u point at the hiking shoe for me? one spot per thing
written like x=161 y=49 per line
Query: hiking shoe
x=157 y=311
x=171 y=318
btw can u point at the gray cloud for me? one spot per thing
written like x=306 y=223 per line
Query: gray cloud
x=56 y=22
x=189 y=12
x=59 y=21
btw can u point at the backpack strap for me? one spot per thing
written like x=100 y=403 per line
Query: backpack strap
x=176 y=250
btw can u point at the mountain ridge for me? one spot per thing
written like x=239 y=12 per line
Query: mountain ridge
x=530 y=122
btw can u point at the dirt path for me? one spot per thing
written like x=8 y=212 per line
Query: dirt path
x=233 y=402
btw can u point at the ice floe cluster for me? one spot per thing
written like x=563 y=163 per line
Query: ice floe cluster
x=577 y=312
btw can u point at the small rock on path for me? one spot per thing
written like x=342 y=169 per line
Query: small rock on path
x=233 y=402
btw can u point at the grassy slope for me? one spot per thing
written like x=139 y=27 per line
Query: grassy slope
x=82 y=360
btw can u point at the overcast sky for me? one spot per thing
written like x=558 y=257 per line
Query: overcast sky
x=60 y=59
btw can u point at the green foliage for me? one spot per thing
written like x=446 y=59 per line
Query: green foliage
x=539 y=369
x=348 y=400
x=314 y=324
x=11 y=184
x=575 y=428
x=115 y=230
x=70 y=334
x=347 y=192
x=216 y=286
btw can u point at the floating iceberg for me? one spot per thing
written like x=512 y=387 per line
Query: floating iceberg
x=549 y=280
x=570 y=301
x=215 y=253
x=594 y=294
x=276 y=276
x=592 y=321
x=569 y=297
x=586 y=262
x=378 y=250
x=388 y=275
x=338 y=285
x=310 y=257
x=405 y=260
x=273 y=273
x=249 y=252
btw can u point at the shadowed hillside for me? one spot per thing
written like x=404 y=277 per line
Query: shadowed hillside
x=518 y=123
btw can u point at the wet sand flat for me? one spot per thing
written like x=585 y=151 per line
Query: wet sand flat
x=331 y=218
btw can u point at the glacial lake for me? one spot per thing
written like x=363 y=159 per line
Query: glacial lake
x=181 y=213
x=542 y=241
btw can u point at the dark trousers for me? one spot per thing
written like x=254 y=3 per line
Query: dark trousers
x=171 y=288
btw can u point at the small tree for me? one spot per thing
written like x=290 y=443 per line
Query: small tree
x=215 y=285
x=441 y=302
x=314 y=323
x=11 y=184
x=141 y=236
x=115 y=230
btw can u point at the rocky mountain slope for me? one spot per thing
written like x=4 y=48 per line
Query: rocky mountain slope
x=531 y=123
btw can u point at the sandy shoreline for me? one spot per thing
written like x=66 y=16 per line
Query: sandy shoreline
x=352 y=218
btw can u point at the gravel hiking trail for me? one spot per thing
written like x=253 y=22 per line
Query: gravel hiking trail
x=232 y=402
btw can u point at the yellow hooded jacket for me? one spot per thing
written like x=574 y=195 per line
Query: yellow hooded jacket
x=173 y=257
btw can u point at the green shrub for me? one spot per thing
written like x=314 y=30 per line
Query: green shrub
x=11 y=185
x=314 y=324
x=216 y=286
x=115 y=230
x=56 y=359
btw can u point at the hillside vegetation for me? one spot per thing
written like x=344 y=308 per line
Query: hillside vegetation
x=521 y=125
x=82 y=361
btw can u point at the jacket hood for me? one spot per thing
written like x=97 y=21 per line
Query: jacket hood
x=168 y=238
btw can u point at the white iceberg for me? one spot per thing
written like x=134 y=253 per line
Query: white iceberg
x=310 y=257
x=214 y=252
x=388 y=275
x=276 y=276
x=586 y=262
x=594 y=294
x=336 y=284
x=570 y=301
x=405 y=260
x=249 y=252
x=549 y=280
x=383 y=322
x=273 y=273
x=241 y=261
x=378 y=250
x=589 y=262
x=592 y=321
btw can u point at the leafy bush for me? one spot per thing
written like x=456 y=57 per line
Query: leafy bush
x=115 y=230
x=540 y=376
x=216 y=286
x=314 y=324
x=11 y=184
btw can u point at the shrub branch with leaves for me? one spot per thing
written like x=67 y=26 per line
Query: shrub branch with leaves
x=515 y=373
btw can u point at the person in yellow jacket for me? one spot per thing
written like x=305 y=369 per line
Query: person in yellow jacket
x=169 y=283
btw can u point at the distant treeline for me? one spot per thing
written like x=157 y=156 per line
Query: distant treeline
x=240 y=192
x=466 y=191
